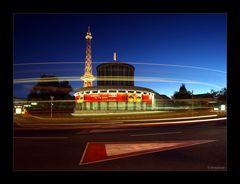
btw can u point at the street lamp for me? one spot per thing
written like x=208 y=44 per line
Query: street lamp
x=192 y=102
x=52 y=97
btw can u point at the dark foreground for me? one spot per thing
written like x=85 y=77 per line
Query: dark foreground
x=63 y=149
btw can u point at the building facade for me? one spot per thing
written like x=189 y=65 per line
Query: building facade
x=115 y=74
x=114 y=98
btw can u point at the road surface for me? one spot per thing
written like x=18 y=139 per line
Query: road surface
x=38 y=149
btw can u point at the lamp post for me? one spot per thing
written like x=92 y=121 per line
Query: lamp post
x=192 y=102
x=52 y=97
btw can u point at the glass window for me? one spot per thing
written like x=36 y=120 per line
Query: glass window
x=103 y=91
x=112 y=91
x=122 y=91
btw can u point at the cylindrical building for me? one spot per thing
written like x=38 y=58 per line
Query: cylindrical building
x=115 y=90
x=115 y=74
x=114 y=98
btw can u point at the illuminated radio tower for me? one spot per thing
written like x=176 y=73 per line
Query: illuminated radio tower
x=88 y=78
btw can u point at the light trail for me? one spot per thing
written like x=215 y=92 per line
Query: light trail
x=125 y=122
x=181 y=118
x=136 y=63
x=160 y=133
x=47 y=70
x=114 y=78
x=173 y=80
x=180 y=66
x=48 y=63
x=40 y=138
x=44 y=101
x=183 y=122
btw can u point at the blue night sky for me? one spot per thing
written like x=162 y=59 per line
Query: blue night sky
x=165 y=49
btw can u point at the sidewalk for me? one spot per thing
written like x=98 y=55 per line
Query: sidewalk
x=110 y=119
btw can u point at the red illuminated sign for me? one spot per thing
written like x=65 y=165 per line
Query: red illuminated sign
x=119 y=97
x=100 y=97
x=146 y=98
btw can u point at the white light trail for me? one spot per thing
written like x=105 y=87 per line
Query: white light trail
x=181 y=66
x=183 y=122
x=47 y=63
x=137 y=78
x=160 y=133
x=181 y=118
x=136 y=63
x=40 y=138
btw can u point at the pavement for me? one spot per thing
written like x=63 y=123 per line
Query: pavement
x=113 y=119
x=198 y=146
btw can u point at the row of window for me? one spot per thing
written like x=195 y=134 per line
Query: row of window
x=112 y=106
x=115 y=69
x=113 y=91
x=115 y=83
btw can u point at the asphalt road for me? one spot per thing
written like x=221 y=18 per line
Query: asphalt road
x=63 y=149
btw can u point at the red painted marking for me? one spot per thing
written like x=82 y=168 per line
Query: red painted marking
x=94 y=152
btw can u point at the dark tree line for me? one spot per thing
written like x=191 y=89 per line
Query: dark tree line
x=220 y=95
x=183 y=93
x=48 y=86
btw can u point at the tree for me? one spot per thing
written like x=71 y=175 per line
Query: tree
x=214 y=93
x=182 y=93
x=45 y=87
x=50 y=86
x=220 y=95
x=65 y=89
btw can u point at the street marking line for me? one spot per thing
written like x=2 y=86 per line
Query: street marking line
x=160 y=133
x=103 y=151
x=107 y=130
x=85 y=131
x=181 y=122
x=179 y=118
x=111 y=130
x=40 y=137
x=84 y=152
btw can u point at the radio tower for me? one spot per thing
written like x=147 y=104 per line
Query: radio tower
x=88 y=78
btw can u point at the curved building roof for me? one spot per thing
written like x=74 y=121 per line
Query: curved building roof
x=109 y=63
x=114 y=88
x=158 y=96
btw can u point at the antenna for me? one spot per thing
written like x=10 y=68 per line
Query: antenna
x=115 y=56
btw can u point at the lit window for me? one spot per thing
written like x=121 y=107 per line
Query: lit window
x=112 y=91
x=103 y=91
x=122 y=91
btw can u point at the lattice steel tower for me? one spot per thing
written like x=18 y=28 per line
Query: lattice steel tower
x=88 y=78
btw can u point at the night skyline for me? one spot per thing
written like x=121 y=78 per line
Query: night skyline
x=169 y=48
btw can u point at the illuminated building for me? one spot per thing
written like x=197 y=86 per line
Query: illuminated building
x=115 y=72
x=115 y=88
